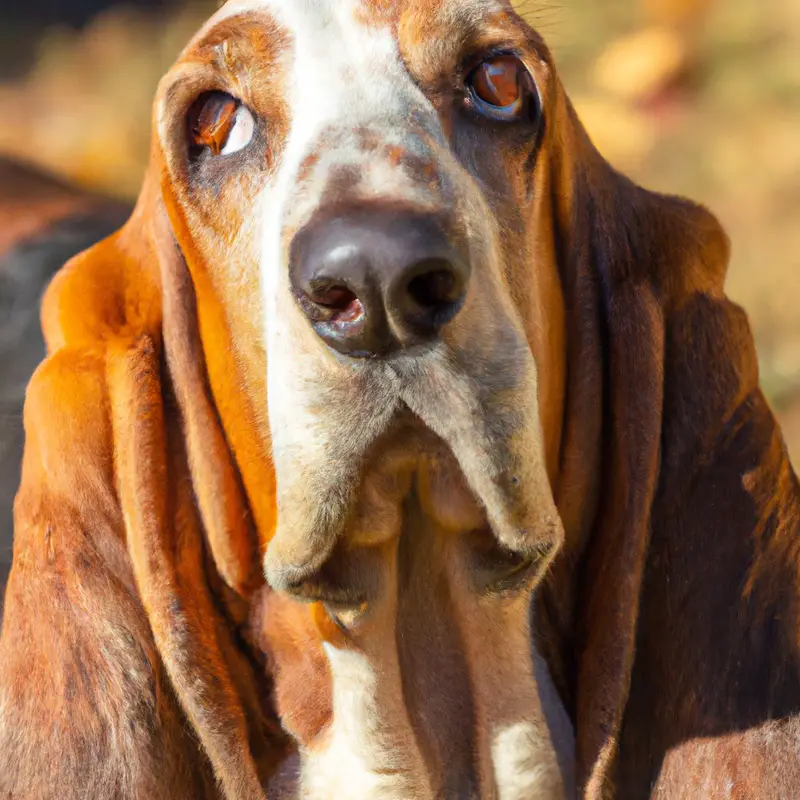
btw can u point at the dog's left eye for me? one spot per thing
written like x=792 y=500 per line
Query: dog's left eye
x=220 y=124
x=499 y=85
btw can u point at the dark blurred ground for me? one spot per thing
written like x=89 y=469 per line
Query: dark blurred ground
x=698 y=97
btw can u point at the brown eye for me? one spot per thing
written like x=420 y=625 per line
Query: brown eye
x=220 y=123
x=499 y=86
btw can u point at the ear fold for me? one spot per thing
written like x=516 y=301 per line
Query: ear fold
x=647 y=253
x=103 y=313
x=160 y=500
x=170 y=575
x=216 y=482
x=222 y=424
x=614 y=566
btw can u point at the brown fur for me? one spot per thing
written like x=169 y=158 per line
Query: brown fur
x=668 y=620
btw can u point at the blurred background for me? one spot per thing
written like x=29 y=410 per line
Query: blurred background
x=697 y=97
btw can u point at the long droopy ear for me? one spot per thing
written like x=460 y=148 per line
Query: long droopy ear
x=644 y=254
x=172 y=460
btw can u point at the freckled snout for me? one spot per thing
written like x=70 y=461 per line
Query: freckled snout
x=373 y=282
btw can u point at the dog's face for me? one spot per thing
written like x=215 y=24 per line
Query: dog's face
x=360 y=190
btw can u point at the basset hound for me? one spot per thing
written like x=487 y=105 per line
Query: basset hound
x=397 y=447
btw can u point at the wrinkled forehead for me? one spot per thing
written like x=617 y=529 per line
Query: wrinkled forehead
x=323 y=70
x=339 y=37
x=305 y=17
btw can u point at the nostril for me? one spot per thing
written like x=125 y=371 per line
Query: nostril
x=333 y=303
x=433 y=288
x=434 y=294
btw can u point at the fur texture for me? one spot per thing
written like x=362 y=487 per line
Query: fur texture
x=593 y=413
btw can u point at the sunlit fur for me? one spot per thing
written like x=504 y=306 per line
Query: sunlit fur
x=201 y=471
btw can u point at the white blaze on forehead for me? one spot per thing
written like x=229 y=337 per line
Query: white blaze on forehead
x=344 y=74
x=341 y=72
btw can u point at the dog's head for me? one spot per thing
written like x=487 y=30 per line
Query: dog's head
x=396 y=239
x=355 y=181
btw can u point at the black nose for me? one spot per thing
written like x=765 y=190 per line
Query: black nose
x=371 y=283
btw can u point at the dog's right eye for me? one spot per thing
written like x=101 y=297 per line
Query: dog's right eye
x=220 y=124
x=500 y=87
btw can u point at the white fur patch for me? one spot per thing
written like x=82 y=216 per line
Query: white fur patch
x=519 y=772
x=368 y=755
x=343 y=74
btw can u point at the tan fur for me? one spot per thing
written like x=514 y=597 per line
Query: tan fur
x=188 y=423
